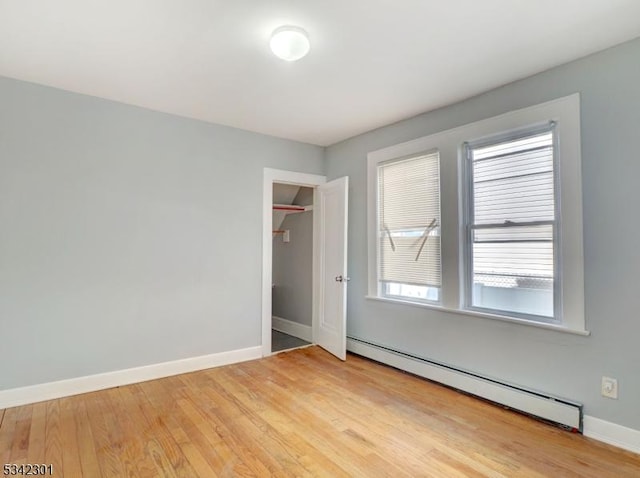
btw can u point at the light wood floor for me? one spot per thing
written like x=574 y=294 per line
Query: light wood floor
x=299 y=413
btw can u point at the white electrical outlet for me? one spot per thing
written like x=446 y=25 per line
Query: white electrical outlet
x=609 y=387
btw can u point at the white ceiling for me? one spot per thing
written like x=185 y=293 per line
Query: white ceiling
x=372 y=62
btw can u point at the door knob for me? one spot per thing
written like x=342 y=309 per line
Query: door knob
x=342 y=279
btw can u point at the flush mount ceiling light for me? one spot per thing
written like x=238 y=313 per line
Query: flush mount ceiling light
x=290 y=43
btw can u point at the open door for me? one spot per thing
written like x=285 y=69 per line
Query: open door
x=330 y=326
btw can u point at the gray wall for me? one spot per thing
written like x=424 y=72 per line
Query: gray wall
x=564 y=364
x=128 y=237
x=292 y=269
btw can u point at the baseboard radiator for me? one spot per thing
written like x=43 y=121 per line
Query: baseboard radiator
x=547 y=407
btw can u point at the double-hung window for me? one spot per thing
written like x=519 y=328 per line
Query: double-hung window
x=484 y=220
x=511 y=224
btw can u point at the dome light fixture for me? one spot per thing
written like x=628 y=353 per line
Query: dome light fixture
x=289 y=43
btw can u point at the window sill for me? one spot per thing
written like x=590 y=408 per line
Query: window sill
x=472 y=313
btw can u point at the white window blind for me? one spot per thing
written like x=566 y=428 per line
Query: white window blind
x=409 y=225
x=512 y=224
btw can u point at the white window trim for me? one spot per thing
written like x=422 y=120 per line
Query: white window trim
x=450 y=144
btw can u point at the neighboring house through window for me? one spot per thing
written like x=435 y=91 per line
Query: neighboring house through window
x=510 y=224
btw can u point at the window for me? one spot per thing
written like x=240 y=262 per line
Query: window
x=409 y=228
x=511 y=224
x=484 y=220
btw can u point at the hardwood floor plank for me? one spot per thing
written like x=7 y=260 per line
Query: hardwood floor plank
x=258 y=441
x=361 y=432
x=134 y=453
x=299 y=413
x=7 y=433
x=295 y=413
x=20 y=444
x=251 y=426
x=244 y=435
x=53 y=437
x=106 y=434
x=226 y=459
x=191 y=445
x=159 y=433
x=71 y=465
x=35 y=453
x=87 y=445
x=252 y=404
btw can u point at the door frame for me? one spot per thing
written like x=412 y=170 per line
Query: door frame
x=298 y=179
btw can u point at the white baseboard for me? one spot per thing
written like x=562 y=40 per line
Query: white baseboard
x=304 y=332
x=612 y=433
x=74 y=386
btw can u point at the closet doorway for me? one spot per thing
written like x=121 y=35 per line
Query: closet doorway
x=292 y=267
x=301 y=199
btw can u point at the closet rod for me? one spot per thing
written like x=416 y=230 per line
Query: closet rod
x=283 y=207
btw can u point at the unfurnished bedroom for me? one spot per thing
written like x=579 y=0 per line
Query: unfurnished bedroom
x=319 y=238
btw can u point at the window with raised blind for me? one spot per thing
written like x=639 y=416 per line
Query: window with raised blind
x=512 y=224
x=483 y=220
x=409 y=228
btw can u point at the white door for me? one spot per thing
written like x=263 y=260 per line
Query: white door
x=330 y=328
